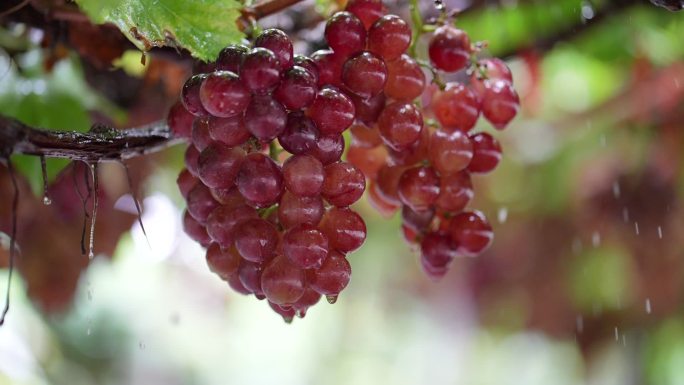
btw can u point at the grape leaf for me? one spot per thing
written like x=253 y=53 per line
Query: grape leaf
x=203 y=27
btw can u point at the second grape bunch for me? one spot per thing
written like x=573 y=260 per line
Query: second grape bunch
x=279 y=226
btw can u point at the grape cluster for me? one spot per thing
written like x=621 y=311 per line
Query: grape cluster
x=266 y=190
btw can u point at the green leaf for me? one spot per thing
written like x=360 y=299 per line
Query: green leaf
x=203 y=27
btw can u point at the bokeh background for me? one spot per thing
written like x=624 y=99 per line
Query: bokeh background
x=583 y=284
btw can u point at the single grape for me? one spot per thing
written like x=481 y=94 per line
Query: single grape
x=303 y=175
x=368 y=11
x=195 y=230
x=364 y=74
x=332 y=277
x=419 y=188
x=190 y=95
x=191 y=159
x=500 y=103
x=307 y=300
x=277 y=42
x=223 y=94
x=489 y=69
x=231 y=57
x=201 y=138
x=471 y=232
x=345 y=34
x=345 y=229
x=400 y=125
x=364 y=136
x=486 y=153
x=250 y=276
x=305 y=246
x=456 y=108
x=256 y=240
x=282 y=282
x=329 y=66
x=308 y=64
x=385 y=208
x=260 y=180
x=229 y=197
x=437 y=252
x=219 y=165
x=418 y=221
x=237 y=286
x=388 y=183
x=368 y=160
x=300 y=134
x=328 y=149
x=450 y=152
x=343 y=185
x=294 y=210
x=405 y=79
x=332 y=111
x=389 y=37
x=222 y=262
x=368 y=110
x=224 y=220
x=200 y=202
x=449 y=49
x=186 y=181
x=180 y=121
x=265 y=118
x=297 y=88
x=230 y=132
x=260 y=70
x=455 y=192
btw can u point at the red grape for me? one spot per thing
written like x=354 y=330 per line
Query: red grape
x=180 y=121
x=328 y=149
x=368 y=110
x=455 y=192
x=364 y=74
x=400 y=125
x=332 y=111
x=186 y=181
x=201 y=138
x=450 y=152
x=456 y=108
x=222 y=262
x=256 y=240
x=265 y=118
x=332 y=277
x=305 y=246
x=343 y=184
x=449 y=49
x=228 y=131
x=224 y=94
x=364 y=136
x=494 y=69
x=224 y=220
x=329 y=66
x=195 y=230
x=219 y=165
x=389 y=37
x=260 y=180
x=297 y=88
x=419 y=188
x=303 y=175
x=231 y=57
x=417 y=221
x=368 y=11
x=282 y=282
x=294 y=210
x=486 y=153
x=405 y=79
x=471 y=232
x=190 y=95
x=250 y=276
x=345 y=34
x=345 y=229
x=500 y=103
x=437 y=252
x=277 y=42
x=300 y=134
x=260 y=70
x=200 y=202
x=191 y=159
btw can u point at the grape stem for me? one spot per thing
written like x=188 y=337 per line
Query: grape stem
x=417 y=20
x=101 y=143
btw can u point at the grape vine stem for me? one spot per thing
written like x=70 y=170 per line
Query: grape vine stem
x=99 y=144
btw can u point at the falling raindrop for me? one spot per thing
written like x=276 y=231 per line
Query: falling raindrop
x=596 y=239
x=587 y=11
x=617 y=334
x=636 y=228
x=624 y=340
x=43 y=167
x=502 y=215
x=648 y=306
x=616 y=190
x=660 y=232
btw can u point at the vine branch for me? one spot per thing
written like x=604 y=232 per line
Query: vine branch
x=99 y=144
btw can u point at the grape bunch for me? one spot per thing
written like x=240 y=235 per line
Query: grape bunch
x=267 y=192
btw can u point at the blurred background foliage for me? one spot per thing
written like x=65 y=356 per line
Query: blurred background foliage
x=583 y=284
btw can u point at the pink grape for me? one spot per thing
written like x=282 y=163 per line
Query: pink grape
x=471 y=232
x=256 y=240
x=486 y=153
x=450 y=152
x=223 y=94
x=303 y=175
x=345 y=34
x=389 y=37
x=419 y=188
x=332 y=111
x=364 y=74
x=282 y=282
x=305 y=246
x=260 y=180
x=449 y=49
x=219 y=165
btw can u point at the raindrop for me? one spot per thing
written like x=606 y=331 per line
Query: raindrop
x=596 y=239
x=648 y=306
x=624 y=340
x=587 y=11
x=141 y=345
x=616 y=189
x=43 y=167
x=636 y=228
x=625 y=214
x=88 y=331
x=617 y=334
x=502 y=215
x=331 y=299
x=660 y=232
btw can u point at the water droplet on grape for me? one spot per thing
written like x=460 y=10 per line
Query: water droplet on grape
x=331 y=299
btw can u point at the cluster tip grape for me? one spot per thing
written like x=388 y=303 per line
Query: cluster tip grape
x=267 y=191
